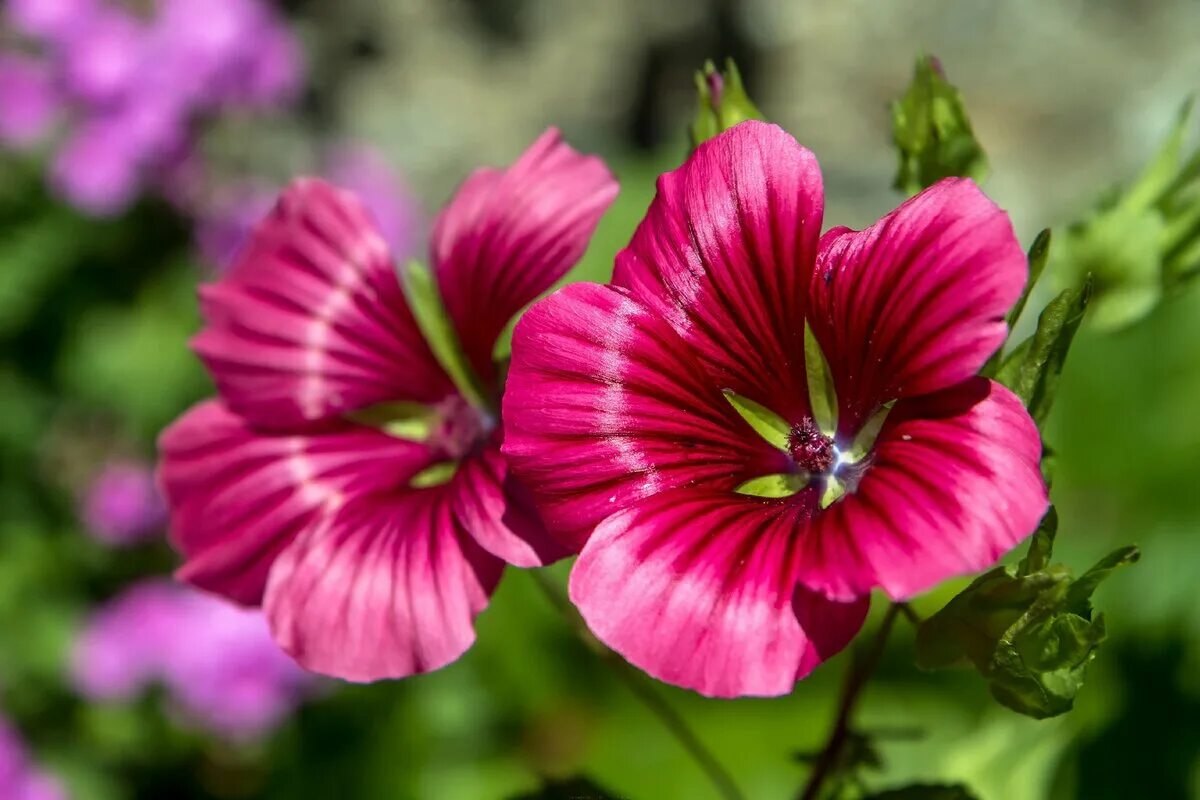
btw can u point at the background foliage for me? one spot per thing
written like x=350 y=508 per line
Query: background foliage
x=1066 y=98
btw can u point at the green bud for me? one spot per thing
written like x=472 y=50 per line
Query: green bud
x=723 y=102
x=932 y=132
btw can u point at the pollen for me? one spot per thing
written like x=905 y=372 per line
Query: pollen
x=812 y=450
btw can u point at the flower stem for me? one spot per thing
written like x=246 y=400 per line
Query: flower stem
x=857 y=675
x=642 y=689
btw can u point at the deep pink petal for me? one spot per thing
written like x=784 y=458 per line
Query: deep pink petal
x=953 y=485
x=499 y=513
x=916 y=302
x=238 y=497
x=605 y=405
x=508 y=235
x=311 y=321
x=699 y=589
x=387 y=587
x=726 y=252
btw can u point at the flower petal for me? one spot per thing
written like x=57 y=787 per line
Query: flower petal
x=916 y=302
x=499 y=513
x=387 y=587
x=725 y=253
x=953 y=484
x=238 y=497
x=508 y=235
x=605 y=405
x=699 y=589
x=311 y=321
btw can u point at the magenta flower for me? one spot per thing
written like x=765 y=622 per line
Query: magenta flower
x=123 y=505
x=29 y=101
x=711 y=557
x=342 y=480
x=20 y=778
x=217 y=661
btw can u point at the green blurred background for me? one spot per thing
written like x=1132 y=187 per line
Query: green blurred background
x=1067 y=98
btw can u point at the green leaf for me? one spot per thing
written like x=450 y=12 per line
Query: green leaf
x=434 y=475
x=404 y=420
x=784 y=484
x=421 y=291
x=766 y=423
x=932 y=132
x=925 y=791
x=570 y=789
x=1033 y=369
x=822 y=395
x=1079 y=594
x=723 y=102
x=1039 y=253
x=1041 y=545
x=1161 y=173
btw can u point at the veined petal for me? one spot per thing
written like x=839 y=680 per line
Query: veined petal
x=606 y=405
x=387 y=587
x=953 y=484
x=311 y=321
x=916 y=302
x=726 y=252
x=699 y=589
x=499 y=512
x=238 y=496
x=508 y=235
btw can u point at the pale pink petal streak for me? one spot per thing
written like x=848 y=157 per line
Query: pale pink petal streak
x=726 y=252
x=606 y=405
x=311 y=321
x=508 y=235
x=238 y=497
x=954 y=483
x=387 y=587
x=699 y=589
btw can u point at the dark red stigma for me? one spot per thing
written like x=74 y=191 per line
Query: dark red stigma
x=811 y=450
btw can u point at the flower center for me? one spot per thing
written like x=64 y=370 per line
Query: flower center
x=812 y=450
x=459 y=427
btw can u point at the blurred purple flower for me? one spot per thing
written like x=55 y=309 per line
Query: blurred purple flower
x=363 y=171
x=49 y=20
x=123 y=504
x=28 y=100
x=97 y=170
x=19 y=777
x=216 y=660
x=223 y=227
x=104 y=57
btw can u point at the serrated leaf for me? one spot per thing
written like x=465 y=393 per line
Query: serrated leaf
x=421 y=291
x=783 y=484
x=765 y=422
x=822 y=395
x=1032 y=370
x=932 y=132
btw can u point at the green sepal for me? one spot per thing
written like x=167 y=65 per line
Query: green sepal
x=822 y=395
x=784 y=484
x=404 y=420
x=1039 y=253
x=925 y=791
x=1030 y=631
x=834 y=490
x=932 y=132
x=765 y=422
x=434 y=475
x=1032 y=370
x=425 y=301
x=720 y=109
x=864 y=440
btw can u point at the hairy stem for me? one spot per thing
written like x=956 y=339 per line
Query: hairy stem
x=857 y=675
x=644 y=691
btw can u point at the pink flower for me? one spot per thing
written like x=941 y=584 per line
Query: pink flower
x=123 y=506
x=615 y=415
x=368 y=564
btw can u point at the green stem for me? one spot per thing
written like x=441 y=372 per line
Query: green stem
x=857 y=676
x=643 y=690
